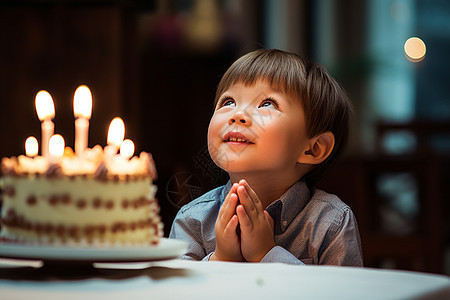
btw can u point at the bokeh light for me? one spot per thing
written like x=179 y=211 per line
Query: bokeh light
x=415 y=49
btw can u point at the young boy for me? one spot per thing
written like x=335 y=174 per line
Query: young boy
x=279 y=124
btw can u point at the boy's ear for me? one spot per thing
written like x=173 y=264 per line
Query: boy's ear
x=319 y=149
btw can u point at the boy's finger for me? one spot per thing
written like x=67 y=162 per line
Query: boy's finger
x=230 y=229
x=223 y=207
x=233 y=188
x=247 y=202
x=253 y=196
x=225 y=203
x=244 y=221
x=230 y=208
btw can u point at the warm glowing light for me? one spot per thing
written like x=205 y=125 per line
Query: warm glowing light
x=56 y=146
x=82 y=102
x=45 y=107
x=127 y=148
x=31 y=146
x=116 y=132
x=82 y=109
x=415 y=49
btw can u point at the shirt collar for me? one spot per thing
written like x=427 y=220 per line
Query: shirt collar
x=286 y=208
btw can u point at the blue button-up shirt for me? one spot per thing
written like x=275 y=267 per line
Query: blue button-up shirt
x=311 y=227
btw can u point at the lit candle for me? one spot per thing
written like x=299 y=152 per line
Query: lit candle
x=116 y=133
x=56 y=147
x=45 y=109
x=31 y=146
x=127 y=149
x=82 y=108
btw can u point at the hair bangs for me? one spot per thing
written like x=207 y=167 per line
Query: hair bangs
x=280 y=71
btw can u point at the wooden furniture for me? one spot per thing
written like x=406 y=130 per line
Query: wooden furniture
x=389 y=238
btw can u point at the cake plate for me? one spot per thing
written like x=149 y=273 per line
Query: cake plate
x=166 y=249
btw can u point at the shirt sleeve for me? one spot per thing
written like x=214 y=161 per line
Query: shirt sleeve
x=189 y=230
x=342 y=245
x=280 y=255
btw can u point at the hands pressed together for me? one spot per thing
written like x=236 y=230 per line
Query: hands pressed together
x=242 y=208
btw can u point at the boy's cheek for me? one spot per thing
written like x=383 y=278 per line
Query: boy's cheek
x=220 y=158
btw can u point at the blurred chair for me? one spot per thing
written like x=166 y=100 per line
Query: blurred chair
x=399 y=197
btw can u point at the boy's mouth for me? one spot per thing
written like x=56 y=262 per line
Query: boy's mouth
x=236 y=137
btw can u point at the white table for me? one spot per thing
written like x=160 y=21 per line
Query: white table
x=176 y=279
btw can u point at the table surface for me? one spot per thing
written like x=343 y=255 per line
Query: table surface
x=173 y=279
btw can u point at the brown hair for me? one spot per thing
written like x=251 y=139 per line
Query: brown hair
x=325 y=103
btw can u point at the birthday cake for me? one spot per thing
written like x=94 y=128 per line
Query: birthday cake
x=93 y=200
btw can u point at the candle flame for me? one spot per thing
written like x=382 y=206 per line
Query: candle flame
x=127 y=148
x=31 y=146
x=116 y=132
x=45 y=107
x=56 y=146
x=82 y=102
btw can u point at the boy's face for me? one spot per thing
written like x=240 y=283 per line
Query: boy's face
x=256 y=129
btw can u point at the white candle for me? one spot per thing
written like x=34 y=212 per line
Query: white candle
x=127 y=149
x=82 y=108
x=45 y=109
x=56 y=147
x=116 y=133
x=31 y=146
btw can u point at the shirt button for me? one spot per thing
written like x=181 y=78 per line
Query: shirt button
x=284 y=223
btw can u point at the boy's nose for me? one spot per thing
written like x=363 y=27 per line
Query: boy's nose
x=240 y=118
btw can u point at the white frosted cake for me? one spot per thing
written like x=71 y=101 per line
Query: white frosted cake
x=97 y=200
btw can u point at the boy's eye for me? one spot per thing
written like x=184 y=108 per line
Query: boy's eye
x=269 y=103
x=228 y=101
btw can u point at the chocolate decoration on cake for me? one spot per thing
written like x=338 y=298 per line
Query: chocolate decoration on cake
x=88 y=230
x=54 y=171
x=53 y=200
x=109 y=204
x=65 y=199
x=97 y=202
x=37 y=227
x=31 y=200
x=102 y=172
x=101 y=229
x=73 y=231
x=9 y=191
x=116 y=178
x=60 y=230
x=133 y=226
x=47 y=228
x=81 y=204
x=136 y=204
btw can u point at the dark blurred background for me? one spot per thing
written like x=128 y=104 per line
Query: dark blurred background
x=156 y=64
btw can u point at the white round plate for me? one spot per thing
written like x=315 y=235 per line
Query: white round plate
x=166 y=249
